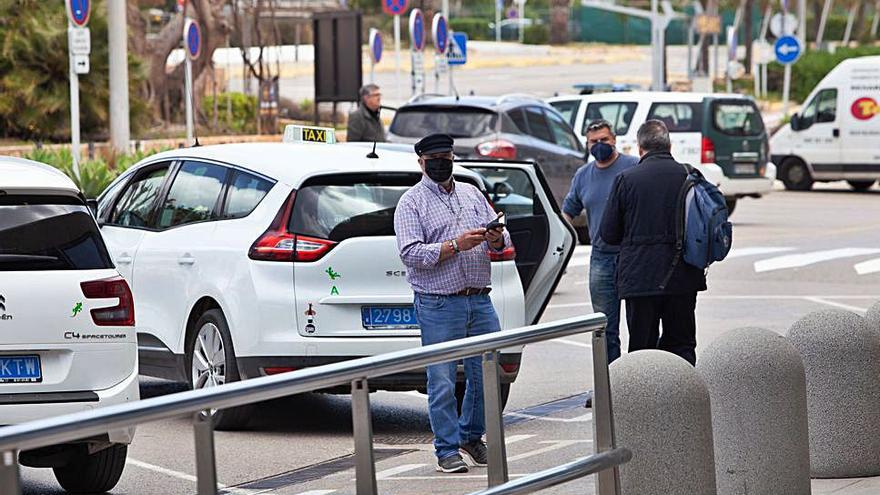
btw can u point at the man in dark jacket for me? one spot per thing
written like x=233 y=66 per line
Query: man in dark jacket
x=640 y=217
x=364 y=123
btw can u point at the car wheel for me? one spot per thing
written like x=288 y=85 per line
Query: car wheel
x=860 y=185
x=459 y=395
x=731 y=205
x=95 y=473
x=212 y=363
x=795 y=175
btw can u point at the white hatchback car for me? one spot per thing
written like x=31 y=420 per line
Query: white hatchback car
x=255 y=259
x=66 y=320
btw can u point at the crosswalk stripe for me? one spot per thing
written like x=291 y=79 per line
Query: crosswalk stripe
x=755 y=251
x=381 y=475
x=804 y=259
x=866 y=267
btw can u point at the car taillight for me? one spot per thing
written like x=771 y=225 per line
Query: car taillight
x=273 y=246
x=277 y=370
x=497 y=149
x=278 y=244
x=311 y=248
x=707 y=151
x=121 y=315
x=510 y=367
x=507 y=254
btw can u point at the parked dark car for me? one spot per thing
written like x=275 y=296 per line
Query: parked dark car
x=513 y=127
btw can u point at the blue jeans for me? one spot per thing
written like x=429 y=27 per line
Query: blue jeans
x=445 y=318
x=603 y=296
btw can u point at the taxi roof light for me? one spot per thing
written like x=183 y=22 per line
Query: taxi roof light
x=294 y=133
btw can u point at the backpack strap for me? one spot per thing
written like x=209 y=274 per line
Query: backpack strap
x=679 y=222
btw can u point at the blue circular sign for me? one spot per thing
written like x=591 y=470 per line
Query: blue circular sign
x=376 y=45
x=193 y=40
x=417 y=30
x=79 y=11
x=395 y=7
x=441 y=33
x=787 y=49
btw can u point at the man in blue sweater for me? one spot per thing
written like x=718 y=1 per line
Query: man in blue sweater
x=590 y=189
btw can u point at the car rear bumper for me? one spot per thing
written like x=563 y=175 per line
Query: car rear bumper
x=753 y=186
x=20 y=408
x=253 y=367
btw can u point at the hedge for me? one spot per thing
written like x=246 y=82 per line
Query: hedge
x=814 y=65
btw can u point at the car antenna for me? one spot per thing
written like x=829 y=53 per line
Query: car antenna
x=373 y=154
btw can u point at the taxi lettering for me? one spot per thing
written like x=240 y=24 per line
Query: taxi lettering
x=865 y=108
x=314 y=135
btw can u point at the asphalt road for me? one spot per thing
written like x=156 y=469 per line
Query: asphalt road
x=793 y=253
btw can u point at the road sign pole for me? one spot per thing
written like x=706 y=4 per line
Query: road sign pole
x=74 y=111
x=786 y=88
x=820 y=35
x=497 y=20
x=120 y=130
x=397 y=55
x=189 y=103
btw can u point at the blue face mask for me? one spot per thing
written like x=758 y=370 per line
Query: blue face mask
x=602 y=151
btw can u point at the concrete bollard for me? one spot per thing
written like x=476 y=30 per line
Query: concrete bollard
x=662 y=414
x=759 y=413
x=873 y=316
x=841 y=355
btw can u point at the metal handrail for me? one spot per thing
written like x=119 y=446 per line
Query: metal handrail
x=77 y=426
x=562 y=474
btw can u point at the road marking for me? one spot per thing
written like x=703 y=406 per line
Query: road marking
x=755 y=251
x=580 y=419
x=188 y=477
x=847 y=307
x=382 y=475
x=415 y=393
x=516 y=438
x=804 y=259
x=866 y=267
x=556 y=445
x=572 y=342
x=317 y=492
x=568 y=305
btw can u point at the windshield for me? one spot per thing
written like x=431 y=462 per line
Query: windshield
x=49 y=233
x=458 y=122
x=738 y=118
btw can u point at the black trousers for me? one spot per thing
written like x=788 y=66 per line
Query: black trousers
x=644 y=314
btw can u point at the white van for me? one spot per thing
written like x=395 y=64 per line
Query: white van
x=837 y=134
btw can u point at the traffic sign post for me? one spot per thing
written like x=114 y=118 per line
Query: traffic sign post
x=396 y=8
x=456 y=54
x=417 y=44
x=192 y=44
x=78 y=48
x=376 y=47
x=440 y=34
x=787 y=50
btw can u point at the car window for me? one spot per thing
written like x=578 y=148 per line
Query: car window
x=737 y=118
x=245 y=193
x=193 y=194
x=568 y=109
x=562 y=132
x=49 y=233
x=538 y=126
x=510 y=191
x=826 y=109
x=137 y=201
x=620 y=114
x=519 y=120
x=419 y=121
x=106 y=198
x=678 y=117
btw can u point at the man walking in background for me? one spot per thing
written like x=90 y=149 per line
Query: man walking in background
x=364 y=124
x=641 y=218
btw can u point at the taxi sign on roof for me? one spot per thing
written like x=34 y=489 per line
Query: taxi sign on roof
x=308 y=134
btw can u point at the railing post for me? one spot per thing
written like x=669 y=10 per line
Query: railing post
x=497 y=468
x=362 y=422
x=10 y=480
x=603 y=419
x=206 y=466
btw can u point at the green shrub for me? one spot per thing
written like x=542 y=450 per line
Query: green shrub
x=811 y=68
x=476 y=28
x=244 y=111
x=537 y=35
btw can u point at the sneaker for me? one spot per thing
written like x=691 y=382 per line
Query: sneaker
x=452 y=464
x=589 y=403
x=476 y=451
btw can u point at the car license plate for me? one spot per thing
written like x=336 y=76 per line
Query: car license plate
x=744 y=168
x=389 y=317
x=20 y=369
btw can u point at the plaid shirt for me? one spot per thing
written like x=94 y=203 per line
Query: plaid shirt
x=426 y=217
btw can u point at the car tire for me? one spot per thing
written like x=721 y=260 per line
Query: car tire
x=796 y=175
x=860 y=185
x=211 y=362
x=95 y=473
x=459 y=395
x=731 y=205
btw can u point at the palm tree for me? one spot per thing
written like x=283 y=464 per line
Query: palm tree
x=560 y=12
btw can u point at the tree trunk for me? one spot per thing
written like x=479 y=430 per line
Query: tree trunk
x=560 y=13
x=747 y=39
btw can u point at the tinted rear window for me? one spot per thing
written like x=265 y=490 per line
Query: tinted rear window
x=678 y=117
x=737 y=118
x=49 y=233
x=418 y=122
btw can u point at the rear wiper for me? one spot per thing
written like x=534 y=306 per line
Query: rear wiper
x=13 y=258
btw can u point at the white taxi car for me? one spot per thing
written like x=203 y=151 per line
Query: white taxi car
x=67 y=340
x=255 y=259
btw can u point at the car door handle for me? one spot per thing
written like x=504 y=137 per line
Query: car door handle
x=559 y=251
x=186 y=260
x=124 y=259
x=836 y=132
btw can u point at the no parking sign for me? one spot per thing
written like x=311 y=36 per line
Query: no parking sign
x=193 y=39
x=440 y=32
x=79 y=11
x=417 y=30
x=394 y=7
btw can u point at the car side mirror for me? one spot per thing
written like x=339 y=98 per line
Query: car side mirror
x=795 y=122
x=501 y=190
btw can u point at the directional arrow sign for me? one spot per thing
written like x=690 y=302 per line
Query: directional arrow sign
x=787 y=49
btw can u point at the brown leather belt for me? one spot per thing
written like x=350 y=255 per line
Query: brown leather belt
x=471 y=291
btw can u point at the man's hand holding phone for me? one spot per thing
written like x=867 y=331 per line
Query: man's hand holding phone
x=495 y=230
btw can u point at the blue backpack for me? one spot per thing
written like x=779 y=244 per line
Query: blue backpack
x=703 y=233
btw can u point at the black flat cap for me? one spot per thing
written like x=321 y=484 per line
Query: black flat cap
x=435 y=143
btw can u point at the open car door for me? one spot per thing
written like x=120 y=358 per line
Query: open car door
x=544 y=241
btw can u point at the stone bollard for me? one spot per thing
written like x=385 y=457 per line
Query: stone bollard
x=759 y=413
x=662 y=414
x=841 y=355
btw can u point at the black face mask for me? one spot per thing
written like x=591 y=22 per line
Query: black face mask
x=438 y=170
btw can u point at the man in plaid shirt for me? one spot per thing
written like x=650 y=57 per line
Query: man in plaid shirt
x=442 y=238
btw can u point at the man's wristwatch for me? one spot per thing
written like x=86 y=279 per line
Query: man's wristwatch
x=454 y=244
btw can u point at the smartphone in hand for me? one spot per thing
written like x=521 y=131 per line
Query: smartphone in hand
x=497 y=223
